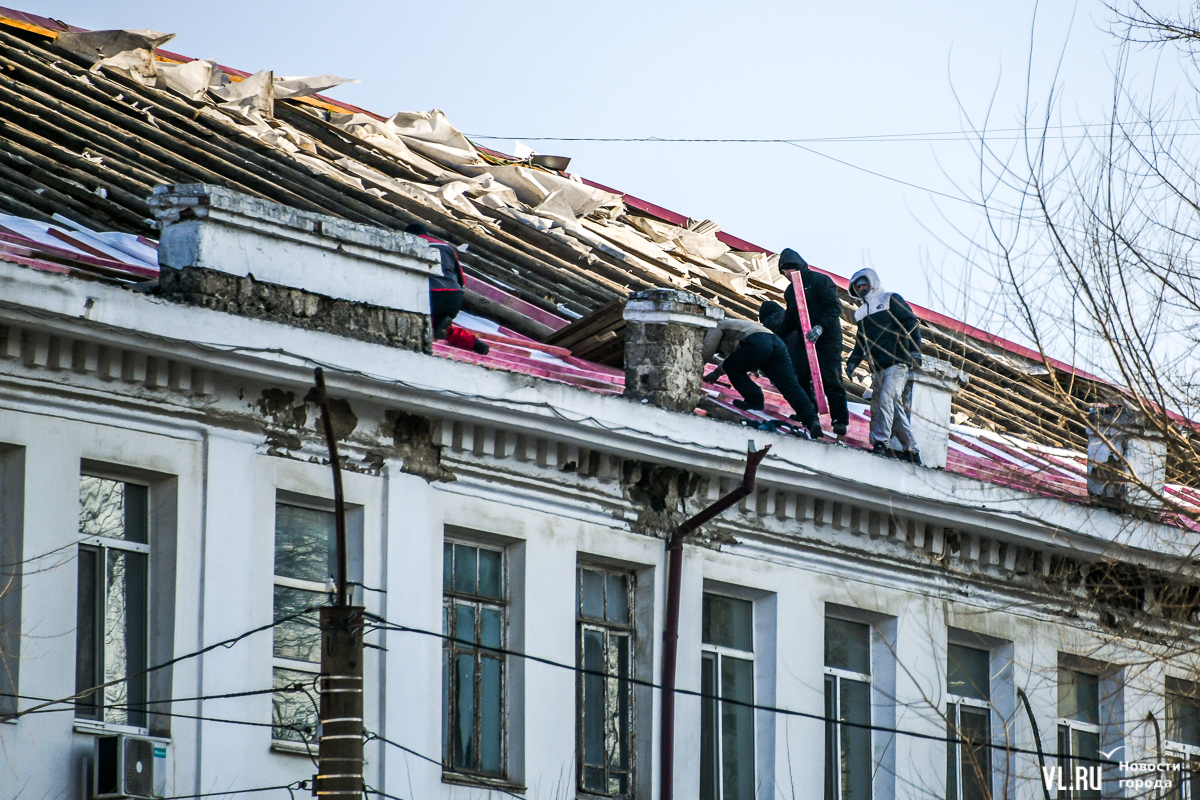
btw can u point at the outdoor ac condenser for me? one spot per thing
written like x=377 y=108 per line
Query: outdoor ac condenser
x=124 y=767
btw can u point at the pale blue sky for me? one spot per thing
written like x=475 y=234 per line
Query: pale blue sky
x=704 y=70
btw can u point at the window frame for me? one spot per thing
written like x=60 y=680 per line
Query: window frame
x=835 y=725
x=1067 y=757
x=451 y=648
x=717 y=653
x=277 y=662
x=629 y=629
x=1181 y=751
x=101 y=545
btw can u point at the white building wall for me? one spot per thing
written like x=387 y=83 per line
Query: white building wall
x=224 y=492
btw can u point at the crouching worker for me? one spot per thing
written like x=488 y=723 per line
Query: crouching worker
x=889 y=338
x=750 y=347
x=446 y=294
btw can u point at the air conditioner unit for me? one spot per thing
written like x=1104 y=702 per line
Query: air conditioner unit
x=124 y=767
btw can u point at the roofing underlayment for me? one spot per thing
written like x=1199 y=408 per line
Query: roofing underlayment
x=92 y=123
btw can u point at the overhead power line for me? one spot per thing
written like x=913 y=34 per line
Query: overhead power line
x=924 y=136
x=383 y=624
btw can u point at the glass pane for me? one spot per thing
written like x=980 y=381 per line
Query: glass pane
x=591 y=594
x=464 y=717
x=1086 y=746
x=708 y=728
x=489 y=626
x=1079 y=696
x=87 y=638
x=101 y=507
x=1183 y=712
x=298 y=639
x=855 y=752
x=137 y=513
x=737 y=728
x=464 y=568
x=968 y=673
x=952 y=748
x=1064 y=752
x=974 y=727
x=464 y=622
x=124 y=642
x=491 y=573
x=620 y=730
x=593 y=704
x=294 y=713
x=447 y=566
x=305 y=543
x=831 y=738
x=618 y=599
x=848 y=645
x=446 y=695
x=728 y=622
x=489 y=715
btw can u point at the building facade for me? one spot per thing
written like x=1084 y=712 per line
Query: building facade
x=857 y=628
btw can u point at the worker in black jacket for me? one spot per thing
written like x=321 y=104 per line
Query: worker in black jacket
x=889 y=338
x=824 y=315
x=446 y=293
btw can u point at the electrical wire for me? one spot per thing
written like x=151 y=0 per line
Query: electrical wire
x=285 y=787
x=385 y=625
x=371 y=736
x=226 y=643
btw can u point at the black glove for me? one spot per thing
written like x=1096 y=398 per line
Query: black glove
x=814 y=333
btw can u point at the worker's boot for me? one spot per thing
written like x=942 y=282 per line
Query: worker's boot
x=746 y=405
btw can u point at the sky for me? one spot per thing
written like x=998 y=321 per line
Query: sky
x=902 y=202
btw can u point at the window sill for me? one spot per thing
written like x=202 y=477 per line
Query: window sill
x=466 y=779
x=293 y=748
x=94 y=728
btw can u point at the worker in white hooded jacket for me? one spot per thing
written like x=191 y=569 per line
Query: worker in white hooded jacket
x=889 y=338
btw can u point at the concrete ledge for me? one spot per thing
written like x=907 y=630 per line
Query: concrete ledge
x=225 y=231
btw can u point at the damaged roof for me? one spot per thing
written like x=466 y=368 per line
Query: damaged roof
x=92 y=122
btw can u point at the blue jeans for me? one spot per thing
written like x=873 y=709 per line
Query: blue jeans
x=889 y=416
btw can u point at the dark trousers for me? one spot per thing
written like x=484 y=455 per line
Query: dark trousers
x=443 y=308
x=766 y=353
x=829 y=358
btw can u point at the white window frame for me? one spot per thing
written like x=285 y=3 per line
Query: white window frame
x=449 y=647
x=629 y=629
x=1073 y=725
x=956 y=701
x=717 y=652
x=1186 y=753
x=103 y=544
x=312 y=668
x=839 y=675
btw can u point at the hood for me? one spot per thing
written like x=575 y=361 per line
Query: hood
x=876 y=300
x=771 y=314
x=790 y=259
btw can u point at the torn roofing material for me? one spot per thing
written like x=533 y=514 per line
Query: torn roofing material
x=545 y=250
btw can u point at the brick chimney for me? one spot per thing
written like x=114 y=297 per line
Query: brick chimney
x=934 y=385
x=664 y=330
x=1124 y=453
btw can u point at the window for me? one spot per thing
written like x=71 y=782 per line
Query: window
x=1183 y=737
x=727 y=685
x=605 y=704
x=305 y=562
x=968 y=720
x=112 y=630
x=847 y=700
x=473 y=617
x=1078 y=729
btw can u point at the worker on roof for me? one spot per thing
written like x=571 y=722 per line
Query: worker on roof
x=824 y=314
x=749 y=347
x=446 y=294
x=889 y=338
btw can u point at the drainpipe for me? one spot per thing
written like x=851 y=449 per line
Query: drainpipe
x=671 y=624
